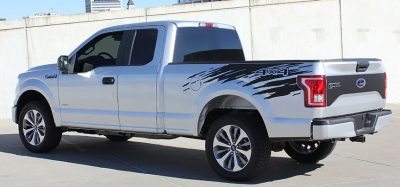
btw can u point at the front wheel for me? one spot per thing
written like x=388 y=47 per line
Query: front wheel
x=37 y=130
x=237 y=148
x=309 y=151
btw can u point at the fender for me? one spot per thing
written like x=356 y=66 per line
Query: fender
x=215 y=90
x=41 y=87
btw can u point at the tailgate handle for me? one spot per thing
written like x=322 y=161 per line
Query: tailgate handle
x=362 y=66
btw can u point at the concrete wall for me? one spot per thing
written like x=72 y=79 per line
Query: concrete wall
x=269 y=29
x=372 y=29
x=13 y=60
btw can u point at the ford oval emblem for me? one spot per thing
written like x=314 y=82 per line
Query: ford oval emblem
x=361 y=82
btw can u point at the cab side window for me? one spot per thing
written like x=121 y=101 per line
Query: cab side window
x=101 y=51
x=144 y=47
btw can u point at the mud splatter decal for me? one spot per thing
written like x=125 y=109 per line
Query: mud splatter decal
x=270 y=80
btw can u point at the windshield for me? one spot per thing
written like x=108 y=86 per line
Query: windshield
x=200 y=44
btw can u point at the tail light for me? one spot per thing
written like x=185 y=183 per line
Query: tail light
x=314 y=90
x=385 y=86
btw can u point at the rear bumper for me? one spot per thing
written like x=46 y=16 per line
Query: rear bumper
x=350 y=125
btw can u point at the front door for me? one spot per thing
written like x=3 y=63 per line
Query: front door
x=88 y=95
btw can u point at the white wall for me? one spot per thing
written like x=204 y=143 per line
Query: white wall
x=372 y=29
x=269 y=29
x=233 y=13
x=304 y=30
x=13 y=59
x=48 y=38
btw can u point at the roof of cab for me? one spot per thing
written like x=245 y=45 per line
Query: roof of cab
x=166 y=24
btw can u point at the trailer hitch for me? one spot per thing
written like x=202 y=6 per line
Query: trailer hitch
x=358 y=139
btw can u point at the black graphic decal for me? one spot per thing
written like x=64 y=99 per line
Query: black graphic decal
x=271 y=80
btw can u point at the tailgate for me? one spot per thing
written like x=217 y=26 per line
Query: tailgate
x=354 y=85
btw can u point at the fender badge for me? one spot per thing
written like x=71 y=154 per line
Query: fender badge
x=54 y=76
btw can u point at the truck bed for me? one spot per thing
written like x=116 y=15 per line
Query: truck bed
x=275 y=89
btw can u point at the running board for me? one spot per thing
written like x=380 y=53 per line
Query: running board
x=122 y=133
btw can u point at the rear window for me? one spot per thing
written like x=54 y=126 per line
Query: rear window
x=197 y=44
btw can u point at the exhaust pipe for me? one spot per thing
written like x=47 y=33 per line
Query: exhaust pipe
x=358 y=139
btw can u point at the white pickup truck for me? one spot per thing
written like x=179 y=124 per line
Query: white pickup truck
x=190 y=79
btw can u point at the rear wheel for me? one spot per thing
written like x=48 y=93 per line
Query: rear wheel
x=237 y=148
x=37 y=130
x=309 y=151
x=116 y=138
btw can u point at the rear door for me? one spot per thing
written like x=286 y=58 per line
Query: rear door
x=137 y=83
x=354 y=85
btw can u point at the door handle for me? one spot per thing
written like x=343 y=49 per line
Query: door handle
x=108 y=80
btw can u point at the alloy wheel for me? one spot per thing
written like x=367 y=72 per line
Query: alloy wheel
x=34 y=127
x=232 y=148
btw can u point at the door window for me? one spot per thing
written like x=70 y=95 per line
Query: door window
x=144 y=47
x=101 y=51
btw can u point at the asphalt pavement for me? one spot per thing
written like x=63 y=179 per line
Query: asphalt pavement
x=91 y=160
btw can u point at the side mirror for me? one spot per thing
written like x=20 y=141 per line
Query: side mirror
x=63 y=64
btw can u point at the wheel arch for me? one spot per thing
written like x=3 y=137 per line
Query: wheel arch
x=227 y=103
x=29 y=96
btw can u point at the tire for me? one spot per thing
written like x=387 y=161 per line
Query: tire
x=116 y=138
x=309 y=151
x=255 y=145
x=37 y=130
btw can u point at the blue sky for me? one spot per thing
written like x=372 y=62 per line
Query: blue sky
x=16 y=9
